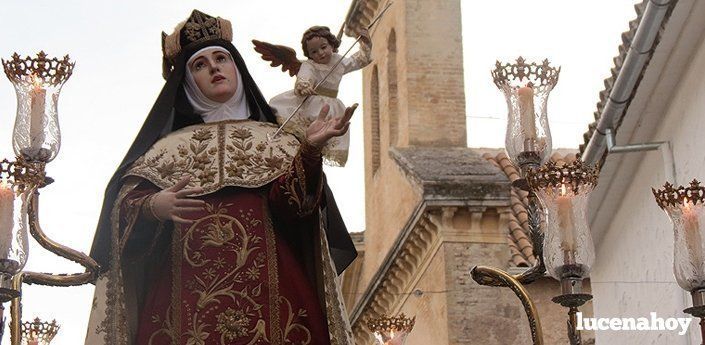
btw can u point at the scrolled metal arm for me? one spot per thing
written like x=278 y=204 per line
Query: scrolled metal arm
x=16 y=311
x=484 y=275
x=71 y=254
x=50 y=279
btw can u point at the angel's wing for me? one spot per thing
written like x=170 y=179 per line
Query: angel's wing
x=279 y=55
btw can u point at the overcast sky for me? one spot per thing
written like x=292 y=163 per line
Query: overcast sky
x=116 y=46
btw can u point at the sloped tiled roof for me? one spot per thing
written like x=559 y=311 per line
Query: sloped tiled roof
x=618 y=60
x=518 y=233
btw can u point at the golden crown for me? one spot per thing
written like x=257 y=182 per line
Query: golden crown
x=386 y=324
x=575 y=175
x=670 y=196
x=539 y=75
x=48 y=71
x=197 y=28
x=38 y=330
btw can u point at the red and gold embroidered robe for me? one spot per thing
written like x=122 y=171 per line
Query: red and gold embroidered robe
x=252 y=269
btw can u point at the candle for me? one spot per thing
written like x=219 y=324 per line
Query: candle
x=565 y=224
x=33 y=336
x=527 y=117
x=7 y=204
x=693 y=239
x=37 y=122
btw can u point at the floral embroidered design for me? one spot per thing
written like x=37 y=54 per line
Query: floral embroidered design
x=232 y=324
x=294 y=188
x=228 y=259
x=292 y=327
x=218 y=234
x=246 y=163
x=197 y=335
x=229 y=153
x=166 y=327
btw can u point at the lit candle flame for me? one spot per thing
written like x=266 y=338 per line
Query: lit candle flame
x=36 y=82
x=686 y=203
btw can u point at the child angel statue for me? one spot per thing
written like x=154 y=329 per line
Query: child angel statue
x=317 y=81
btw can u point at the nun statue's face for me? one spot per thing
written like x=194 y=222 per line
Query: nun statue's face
x=215 y=75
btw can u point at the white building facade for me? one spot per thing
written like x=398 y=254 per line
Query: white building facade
x=633 y=273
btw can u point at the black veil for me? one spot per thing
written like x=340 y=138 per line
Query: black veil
x=172 y=111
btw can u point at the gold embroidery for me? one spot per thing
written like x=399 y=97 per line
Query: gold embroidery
x=176 y=283
x=197 y=335
x=229 y=153
x=167 y=327
x=201 y=26
x=227 y=284
x=115 y=323
x=198 y=27
x=232 y=324
x=289 y=188
x=295 y=189
x=292 y=326
x=218 y=234
x=338 y=326
x=234 y=282
x=274 y=307
x=243 y=244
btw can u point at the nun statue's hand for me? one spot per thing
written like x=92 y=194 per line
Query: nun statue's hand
x=173 y=202
x=325 y=127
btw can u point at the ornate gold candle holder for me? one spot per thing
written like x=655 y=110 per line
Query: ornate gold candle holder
x=38 y=332
x=526 y=87
x=36 y=141
x=685 y=206
x=564 y=192
x=38 y=83
x=391 y=330
x=568 y=249
x=18 y=181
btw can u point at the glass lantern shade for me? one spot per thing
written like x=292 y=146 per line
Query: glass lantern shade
x=526 y=87
x=391 y=330
x=564 y=192
x=14 y=244
x=568 y=248
x=685 y=208
x=37 y=82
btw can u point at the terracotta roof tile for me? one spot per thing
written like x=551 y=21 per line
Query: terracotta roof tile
x=520 y=246
x=618 y=61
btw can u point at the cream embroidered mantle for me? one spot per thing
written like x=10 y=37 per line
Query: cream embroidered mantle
x=230 y=153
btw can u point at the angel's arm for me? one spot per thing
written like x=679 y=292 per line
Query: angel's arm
x=361 y=58
x=305 y=80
